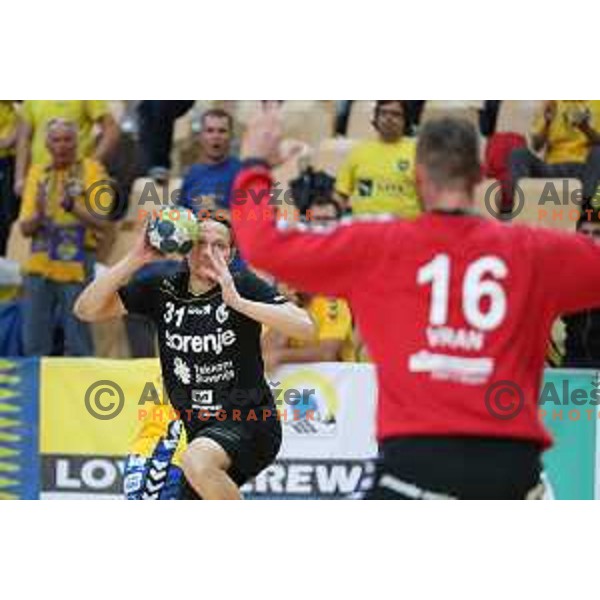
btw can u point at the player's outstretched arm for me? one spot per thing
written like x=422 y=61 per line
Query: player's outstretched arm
x=329 y=261
x=100 y=300
x=286 y=318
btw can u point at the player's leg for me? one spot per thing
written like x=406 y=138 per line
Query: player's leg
x=205 y=464
x=522 y=163
x=225 y=456
x=261 y=444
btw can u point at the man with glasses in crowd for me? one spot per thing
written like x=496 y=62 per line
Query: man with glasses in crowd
x=379 y=175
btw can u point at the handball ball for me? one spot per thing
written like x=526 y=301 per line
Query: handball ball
x=173 y=231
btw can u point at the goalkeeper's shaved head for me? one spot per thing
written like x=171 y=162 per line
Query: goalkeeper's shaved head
x=447 y=157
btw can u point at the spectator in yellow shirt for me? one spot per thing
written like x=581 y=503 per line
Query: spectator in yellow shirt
x=334 y=342
x=379 y=175
x=86 y=114
x=9 y=205
x=568 y=133
x=63 y=211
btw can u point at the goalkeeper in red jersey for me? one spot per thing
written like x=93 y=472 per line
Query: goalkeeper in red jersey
x=449 y=305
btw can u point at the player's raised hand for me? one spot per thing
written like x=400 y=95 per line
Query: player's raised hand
x=222 y=275
x=264 y=135
x=142 y=252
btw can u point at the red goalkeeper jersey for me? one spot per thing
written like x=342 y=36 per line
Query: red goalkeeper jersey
x=449 y=305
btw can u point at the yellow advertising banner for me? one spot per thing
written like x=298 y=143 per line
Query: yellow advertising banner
x=93 y=412
x=94 y=406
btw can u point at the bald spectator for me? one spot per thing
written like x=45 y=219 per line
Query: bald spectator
x=88 y=115
x=63 y=229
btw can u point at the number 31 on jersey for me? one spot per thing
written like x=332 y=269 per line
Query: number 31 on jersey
x=170 y=312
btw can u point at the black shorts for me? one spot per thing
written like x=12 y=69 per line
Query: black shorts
x=421 y=468
x=251 y=445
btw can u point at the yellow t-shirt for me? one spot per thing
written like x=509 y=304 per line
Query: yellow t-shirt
x=566 y=143
x=333 y=320
x=8 y=124
x=91 y=172
x=380 y=178
x=84 y=113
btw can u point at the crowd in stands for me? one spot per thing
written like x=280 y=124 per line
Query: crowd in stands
x=51 y=152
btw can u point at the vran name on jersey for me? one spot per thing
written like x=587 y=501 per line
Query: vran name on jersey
x=211 y=342
x=447 y=337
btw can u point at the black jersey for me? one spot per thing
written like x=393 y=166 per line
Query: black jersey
x=210 y=354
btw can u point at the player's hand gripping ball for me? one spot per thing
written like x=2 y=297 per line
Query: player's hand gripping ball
x=174 y=231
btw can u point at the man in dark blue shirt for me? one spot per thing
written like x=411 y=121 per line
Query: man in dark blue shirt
x=208 y=183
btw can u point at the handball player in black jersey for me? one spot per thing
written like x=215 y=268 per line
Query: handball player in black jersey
x=209 y=328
